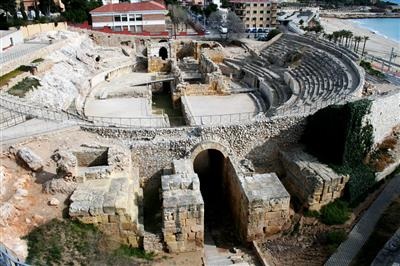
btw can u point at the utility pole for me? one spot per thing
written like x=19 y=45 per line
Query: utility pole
x=392 y=56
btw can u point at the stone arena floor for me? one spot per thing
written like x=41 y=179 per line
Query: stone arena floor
x=217 y=109
x=118 y=107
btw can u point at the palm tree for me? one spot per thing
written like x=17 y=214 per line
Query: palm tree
x=357 y=43
x=365 y=41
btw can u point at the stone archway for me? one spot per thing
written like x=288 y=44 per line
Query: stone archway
x=163 y=53
x=210 y=163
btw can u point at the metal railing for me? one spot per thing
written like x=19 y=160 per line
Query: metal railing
x=9 y=259
x=164 y=121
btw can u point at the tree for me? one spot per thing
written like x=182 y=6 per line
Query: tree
x=234 y=25
x=77 y=11
x=9 y=6
x=215 y=19
x=178 y=16
x=357 y=40
x=22 y=9
x=366 y=38
x=210 y=9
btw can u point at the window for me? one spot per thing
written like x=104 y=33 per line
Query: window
x=254 y=5
x=247 y=18
x=131 y=17
x=247 y=25
x=248 y=12
x=254 y=18
x=117 y=18
x=139 y=28
x=267 y=18
x=254 y=25
x=139 y=18
x=261 y=11
x=124 y=18
x=261 y=4
x=254 y=11
x=268 y=4
x=261 y=18
x=247 y=4
x=261 y=25
x=268 y=12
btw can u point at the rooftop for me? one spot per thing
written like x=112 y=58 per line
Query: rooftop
x=127 y=7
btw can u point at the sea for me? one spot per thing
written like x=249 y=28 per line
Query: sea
x=387 y=27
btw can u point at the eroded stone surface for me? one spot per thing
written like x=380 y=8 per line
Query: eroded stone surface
x=314 y=183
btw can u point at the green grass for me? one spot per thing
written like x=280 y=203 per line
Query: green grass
x=336 y=212
x=368 y=68
x=127 y=251
x=384 y=230
x=37 y=60
x=23 y=87
x=67 y=242
x=12 y=74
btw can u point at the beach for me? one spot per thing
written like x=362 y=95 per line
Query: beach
x=377 y=45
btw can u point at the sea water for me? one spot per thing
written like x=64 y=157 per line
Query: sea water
x=388 y=27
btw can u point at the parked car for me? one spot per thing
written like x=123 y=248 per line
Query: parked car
x=223 y=30
x=260 y=30
x=253 y=30
x=247 y=30
x=207 y=32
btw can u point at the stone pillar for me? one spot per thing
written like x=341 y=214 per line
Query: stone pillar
x=182 y=209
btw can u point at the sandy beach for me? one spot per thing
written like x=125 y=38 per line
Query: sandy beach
x=377 y=44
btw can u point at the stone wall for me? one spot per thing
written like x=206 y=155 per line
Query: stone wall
x=313 y=183
x=182 y=209
x=384 y=115
x=156 y=64
x=259 y=202
x=33 y=29
x=258 y=141
x=108 y=193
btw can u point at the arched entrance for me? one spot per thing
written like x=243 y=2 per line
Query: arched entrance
x=210 y=166
x=163 y=53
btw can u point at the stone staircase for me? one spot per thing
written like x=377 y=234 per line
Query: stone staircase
x=215 y=257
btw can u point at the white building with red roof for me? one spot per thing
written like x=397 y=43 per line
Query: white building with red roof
x=140 y=17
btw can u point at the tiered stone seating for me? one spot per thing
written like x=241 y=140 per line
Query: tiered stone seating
x=321 y=75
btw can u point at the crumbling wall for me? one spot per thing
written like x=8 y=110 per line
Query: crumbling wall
x=312 y=182
x=107 y=193
x=156 y=64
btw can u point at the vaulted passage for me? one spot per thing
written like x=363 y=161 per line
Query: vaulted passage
x=163 y=53
x=210 y=166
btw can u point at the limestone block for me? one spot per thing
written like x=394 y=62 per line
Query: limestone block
x=31 y=159
x=67 y=165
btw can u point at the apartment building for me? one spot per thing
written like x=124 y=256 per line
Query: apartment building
x=148 y=16
x=256 y=13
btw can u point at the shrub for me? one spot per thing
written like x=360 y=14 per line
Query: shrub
x=336 y=212
x=335 y=237
x=309 y=213
x=24 y=86
x=272 y=34
x=127 y=251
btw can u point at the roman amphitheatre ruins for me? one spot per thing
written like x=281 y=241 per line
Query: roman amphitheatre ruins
x=168 y=145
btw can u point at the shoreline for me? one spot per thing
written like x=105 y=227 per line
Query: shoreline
x=377 y=45
x=357 y=16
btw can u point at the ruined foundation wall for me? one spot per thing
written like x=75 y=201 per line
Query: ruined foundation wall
x=312 y=182
x=259 y=202
x=258 y=141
